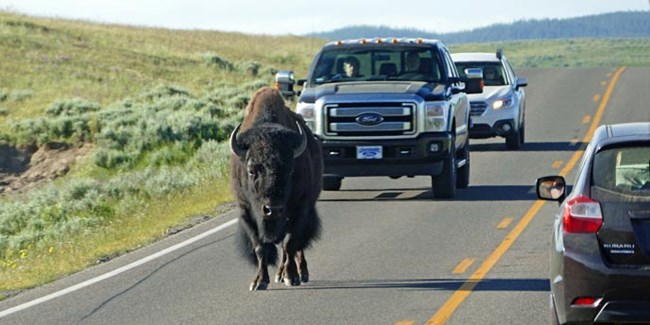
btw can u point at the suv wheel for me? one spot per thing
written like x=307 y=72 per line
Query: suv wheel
x=331 y=183
x=444 y=185
x=462 y=177
x=514 y=140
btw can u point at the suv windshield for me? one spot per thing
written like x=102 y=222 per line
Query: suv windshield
x=623 y=170
x=377 y=63
x=493 y=73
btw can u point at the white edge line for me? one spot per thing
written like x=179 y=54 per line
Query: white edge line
x=116 y=271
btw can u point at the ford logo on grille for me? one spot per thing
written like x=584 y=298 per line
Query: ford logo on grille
x=369 y=119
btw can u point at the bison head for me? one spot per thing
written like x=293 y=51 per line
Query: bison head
x=266 y=156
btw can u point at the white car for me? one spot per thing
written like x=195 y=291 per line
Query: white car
x=501 y=109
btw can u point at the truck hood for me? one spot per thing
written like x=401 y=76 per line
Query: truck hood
x=427 y=91
x=490 y=93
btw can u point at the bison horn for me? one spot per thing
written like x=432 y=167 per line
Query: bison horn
x=303 y=142
x=234 y=146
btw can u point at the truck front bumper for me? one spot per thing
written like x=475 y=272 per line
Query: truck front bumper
x=423 y=155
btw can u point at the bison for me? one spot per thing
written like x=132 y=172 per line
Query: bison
x=276 y=173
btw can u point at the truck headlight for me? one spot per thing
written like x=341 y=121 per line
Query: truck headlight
x=502 y=102
x=436 y=116
x=307 y=112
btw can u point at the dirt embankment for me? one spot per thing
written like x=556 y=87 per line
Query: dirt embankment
x=22 y=168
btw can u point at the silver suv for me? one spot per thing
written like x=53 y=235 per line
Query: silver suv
x=501 y=108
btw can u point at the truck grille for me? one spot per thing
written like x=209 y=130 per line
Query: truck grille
x=477 y=108
x=370 y=119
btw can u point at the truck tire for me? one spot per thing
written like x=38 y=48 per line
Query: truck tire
x=331 y=183
x=444 y=185
x=462 y=176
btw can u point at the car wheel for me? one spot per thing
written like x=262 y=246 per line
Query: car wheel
x=513 y=140
x=444 y=185
x=462 y=177
x=332 y=183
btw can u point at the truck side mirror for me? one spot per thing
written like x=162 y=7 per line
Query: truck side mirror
x=473 y=80
x=284 y=82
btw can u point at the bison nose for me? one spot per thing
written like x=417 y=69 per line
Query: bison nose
x=271 y=211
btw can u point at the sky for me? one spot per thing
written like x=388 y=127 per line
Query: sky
x=296 y=17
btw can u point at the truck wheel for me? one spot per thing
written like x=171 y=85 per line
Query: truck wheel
x=444 y=185
x=331 y=183
x=462 y=178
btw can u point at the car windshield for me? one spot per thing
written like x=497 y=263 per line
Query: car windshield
x=493 y=73
x=379 y=63
x=623 y=170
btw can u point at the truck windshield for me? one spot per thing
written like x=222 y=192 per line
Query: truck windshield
x=372 y=64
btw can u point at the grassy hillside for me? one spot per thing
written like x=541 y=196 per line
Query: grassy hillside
x=152 y=106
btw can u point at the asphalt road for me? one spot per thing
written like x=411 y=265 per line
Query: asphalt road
x=389 y=254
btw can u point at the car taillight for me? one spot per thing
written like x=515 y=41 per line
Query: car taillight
x=586 y=302
x=582 y=215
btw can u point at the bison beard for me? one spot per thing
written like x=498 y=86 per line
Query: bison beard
x=276 y=172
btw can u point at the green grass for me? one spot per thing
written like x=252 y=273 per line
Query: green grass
x=569 y=52
x=155 y=106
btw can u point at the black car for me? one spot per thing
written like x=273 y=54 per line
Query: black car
x=600 y=249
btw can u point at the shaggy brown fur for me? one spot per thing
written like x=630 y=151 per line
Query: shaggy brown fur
x=276 y=190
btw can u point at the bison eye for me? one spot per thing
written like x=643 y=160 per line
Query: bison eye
x=254 y=170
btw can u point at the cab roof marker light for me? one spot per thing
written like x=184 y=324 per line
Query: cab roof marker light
x=420 y=41
x=364 y=41
x=395 y=41
x=339 y=42
x=379 y=41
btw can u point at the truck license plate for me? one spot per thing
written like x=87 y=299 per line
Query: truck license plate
x=369 y=152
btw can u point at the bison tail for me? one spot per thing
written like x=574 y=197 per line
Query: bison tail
x=248 y=251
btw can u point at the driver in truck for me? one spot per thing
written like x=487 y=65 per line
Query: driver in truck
x=351 y=67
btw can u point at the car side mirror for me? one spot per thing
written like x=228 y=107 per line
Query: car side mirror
x=473 y=80
x=551 y=188
x=522 y=82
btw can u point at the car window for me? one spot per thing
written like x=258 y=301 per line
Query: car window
x=624 y=170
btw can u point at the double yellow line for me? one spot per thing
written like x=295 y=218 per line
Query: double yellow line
x=450 y=306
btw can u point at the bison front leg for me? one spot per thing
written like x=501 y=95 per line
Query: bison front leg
x=302 y=266
x=290 y=269
x=283 y=260
x=261 y=281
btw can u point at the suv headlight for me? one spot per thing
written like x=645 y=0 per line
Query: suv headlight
x=502 y=102
x=307 y=112
x=436 y=116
